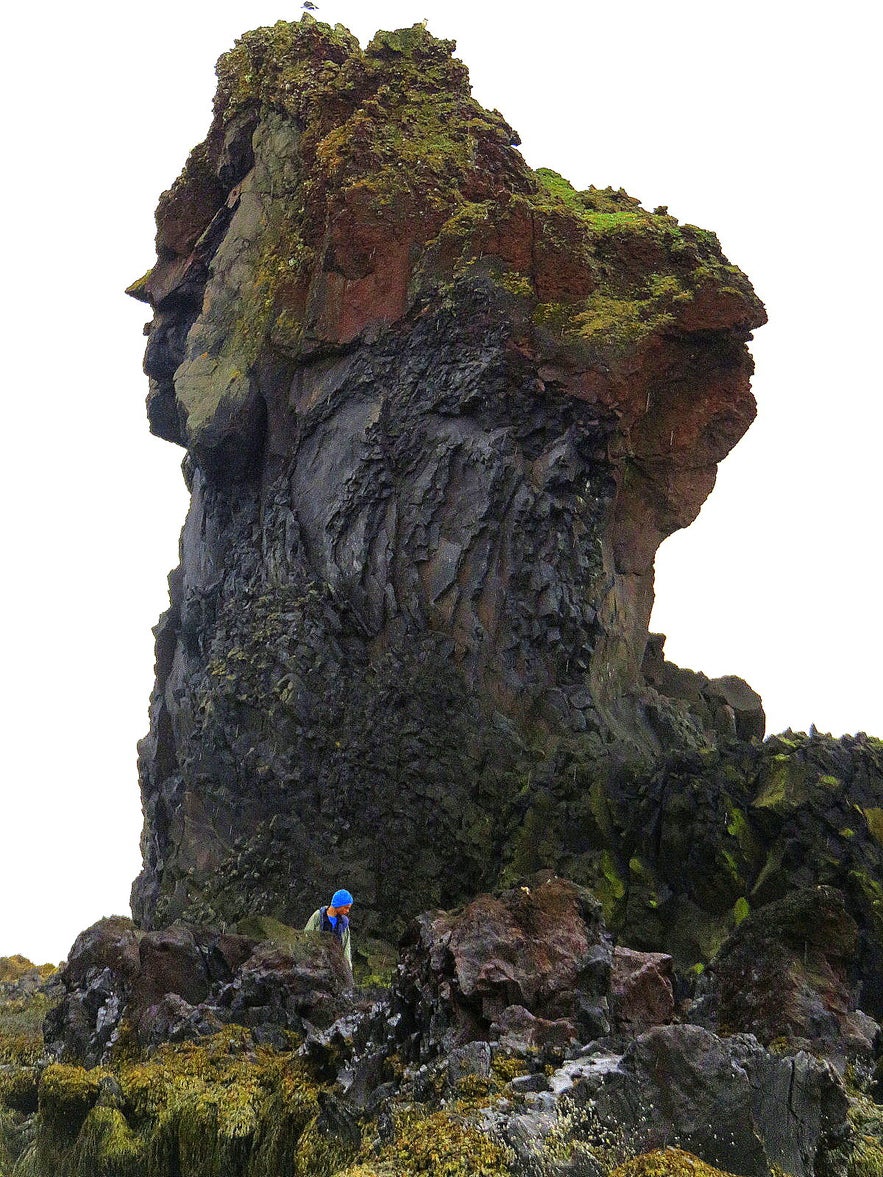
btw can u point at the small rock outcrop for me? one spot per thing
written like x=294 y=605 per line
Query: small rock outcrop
x=184 y=983
x=784 y=974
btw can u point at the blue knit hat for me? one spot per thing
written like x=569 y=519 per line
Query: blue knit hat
x=341 y=898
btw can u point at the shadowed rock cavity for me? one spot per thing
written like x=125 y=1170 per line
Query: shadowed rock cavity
x=439 y=411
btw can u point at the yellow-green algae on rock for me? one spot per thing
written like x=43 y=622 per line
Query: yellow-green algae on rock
x=666 y=1162
x=376 y=177
x=207 y=1109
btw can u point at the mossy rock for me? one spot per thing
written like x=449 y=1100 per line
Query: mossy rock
x=66 y=1096
x=440 y=1143
x=666 y=1162
x=208 y=1109
x=266 y=928
x=13 y=968
x=374 y=961
x=19 y=1088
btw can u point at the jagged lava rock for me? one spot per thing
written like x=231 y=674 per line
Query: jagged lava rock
x=182 y=983
x=439 y=411
x=530 y=968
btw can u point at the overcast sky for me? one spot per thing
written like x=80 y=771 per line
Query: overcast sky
x=758 y=120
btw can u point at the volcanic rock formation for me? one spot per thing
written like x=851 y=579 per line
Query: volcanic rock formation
x=439 y=411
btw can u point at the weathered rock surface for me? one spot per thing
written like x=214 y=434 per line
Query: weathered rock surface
x=530 y=967
x=183 y=983
x=725 y=1099
x=642 y=989
x=439 y=412
x=783 y=974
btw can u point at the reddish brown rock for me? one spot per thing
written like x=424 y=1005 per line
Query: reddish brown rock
x=641 y=989
x=531 y=965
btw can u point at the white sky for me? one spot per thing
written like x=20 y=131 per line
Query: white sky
x=759 y=120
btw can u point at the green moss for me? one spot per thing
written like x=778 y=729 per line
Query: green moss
x=21 y=1029
x=874 y=818
x=610 y=888
x=516 y=284
x=288 y=65
x=138 y=288
x=784 y=784
x=866 y=1159
x=618 y=323
x=507 y=1067
x=374 y=962
x=555 y=184
x=666 y=1162
x=204 y=1109
x=13 y=968
x=416 y=136
x=871 y=890
x=644 y=875
x=535 y=842
x=741 y=910
x=265 y=927
x=107 y=1146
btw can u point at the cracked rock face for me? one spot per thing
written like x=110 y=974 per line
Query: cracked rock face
x=439 y=412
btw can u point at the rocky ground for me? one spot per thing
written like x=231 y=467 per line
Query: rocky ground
x=514 y=1037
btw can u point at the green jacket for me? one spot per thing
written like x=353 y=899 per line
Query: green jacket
x=314 y=924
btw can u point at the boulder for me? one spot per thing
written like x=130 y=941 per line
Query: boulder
x=170 y=962
x=728 y=1100
x=307 y=983
x=641 y=989
x=96 y=984
x=530 y=966
x=784 y=973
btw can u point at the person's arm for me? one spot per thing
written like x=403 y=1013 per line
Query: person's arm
x=314 y=923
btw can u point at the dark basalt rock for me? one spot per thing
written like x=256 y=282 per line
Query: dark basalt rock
x=783 y=975
x=439 y=412
x=184 y=983
x=728 y=1100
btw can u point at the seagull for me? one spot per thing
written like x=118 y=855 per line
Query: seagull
x=309 y=6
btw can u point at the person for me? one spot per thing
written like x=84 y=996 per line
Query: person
x=335 y=919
